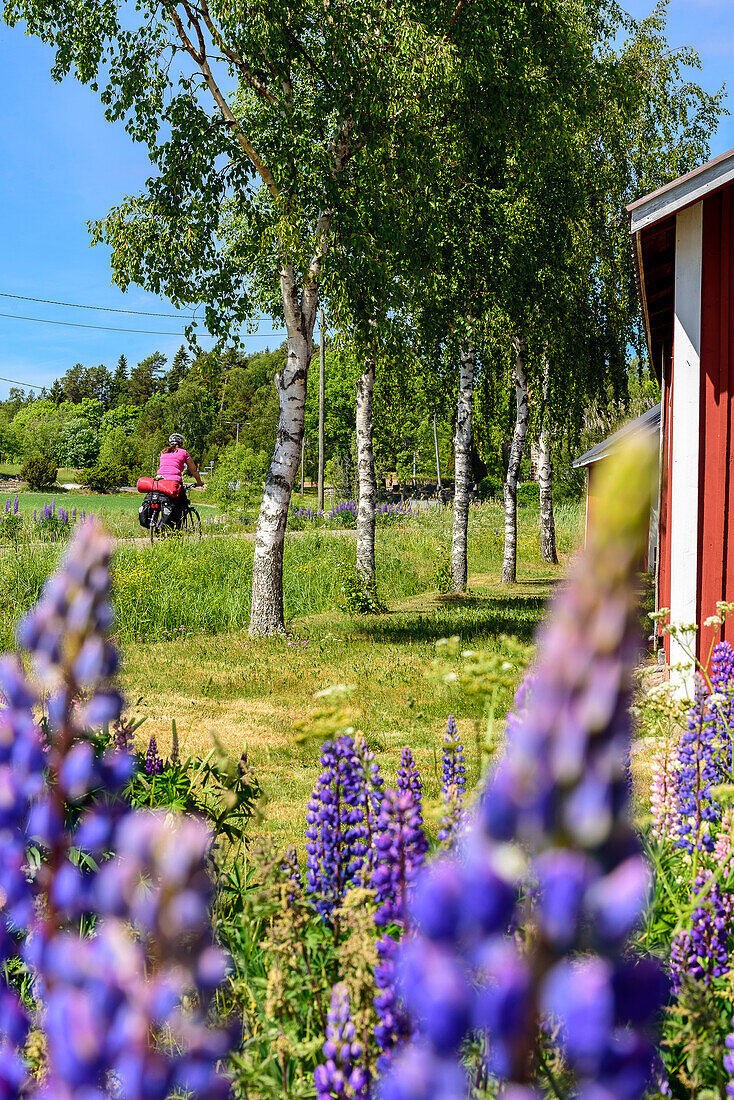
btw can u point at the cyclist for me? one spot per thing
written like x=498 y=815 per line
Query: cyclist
x=173 y=460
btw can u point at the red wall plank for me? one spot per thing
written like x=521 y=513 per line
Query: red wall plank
x=714 y=413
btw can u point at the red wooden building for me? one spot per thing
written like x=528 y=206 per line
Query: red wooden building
x=683 y=238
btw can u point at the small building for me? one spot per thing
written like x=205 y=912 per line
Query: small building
x=683 y=242
x=593 y=461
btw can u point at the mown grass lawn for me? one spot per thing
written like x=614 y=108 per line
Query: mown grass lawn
x=258 y=696
x=182 y=613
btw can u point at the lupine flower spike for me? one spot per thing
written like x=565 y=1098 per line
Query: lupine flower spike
x=153 y=759
x=664 y=793
x=104 y=997
x=698 y=773
x=341 y=1076
x=722 y=684
x=453 y=784
x=729 y=1063
x=336 y=834
x=409 y=778
x=401 y=847
x=702 y=951
x=551 y=849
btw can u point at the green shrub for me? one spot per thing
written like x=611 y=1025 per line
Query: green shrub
x=120 y=451
x=528 y=493
x=39 y=471
x=490 y=488
x=442 y=572
x=239 y=474
x=105 y=477
x=358 y=597
x=11 y=527
x=79 y=445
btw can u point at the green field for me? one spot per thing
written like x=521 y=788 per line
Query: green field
x=12 y=469
x=119 y=511
x=183 y=608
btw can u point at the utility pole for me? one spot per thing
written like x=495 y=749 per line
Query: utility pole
x=237 y=424
x=322 y=386
x=303 y=457
x=438 y=458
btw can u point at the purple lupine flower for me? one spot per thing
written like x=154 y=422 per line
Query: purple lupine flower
x=73 y=514
x=16 y=505
x=453 y=784
x=701 y=952
x=697 y=774
x=292 y=869
x=659 y=1077
x=104 y=997
x=342 y=1075
x=393 y=1028
x=409 y=779
x=7 y=505
x=551 y=848
x=372 y=792
x=35 y=515
x=157 y=885
x=664 y=793
x=401 y=846
x=721 y=674
x=153 y=759
x=400 y=849
x=123 y=734
x=22 y=762
x=729 y=1063
x=336 y=833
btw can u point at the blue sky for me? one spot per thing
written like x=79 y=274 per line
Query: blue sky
x=63 y=165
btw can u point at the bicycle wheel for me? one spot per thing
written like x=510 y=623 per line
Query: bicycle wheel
x=192 y=523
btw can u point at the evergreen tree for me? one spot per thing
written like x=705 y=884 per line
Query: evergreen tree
x=179 y=369
x=145 y=379
x=119 y=382
x=56 y=394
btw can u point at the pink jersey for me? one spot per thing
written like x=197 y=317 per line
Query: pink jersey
x=171 y=465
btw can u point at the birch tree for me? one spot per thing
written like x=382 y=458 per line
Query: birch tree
x=545 y=477
x=462 y=467
x=320 y=87
x=520 y=379
x=367 y=482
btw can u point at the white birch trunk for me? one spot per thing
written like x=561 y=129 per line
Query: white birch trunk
x=462 y=468
x=509 y=562
x=366 y=480
x=545 y=479
x=267 y=615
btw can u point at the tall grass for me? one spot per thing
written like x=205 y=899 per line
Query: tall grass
x=183 y=587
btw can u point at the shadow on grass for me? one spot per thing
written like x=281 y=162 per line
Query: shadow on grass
x=474 y=617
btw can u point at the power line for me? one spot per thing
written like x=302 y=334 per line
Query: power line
x=27 y=385
x=103 y=309
x=111 y=328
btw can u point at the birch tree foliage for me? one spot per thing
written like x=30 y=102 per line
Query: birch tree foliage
x=655 y=126
x=319 y=83
x=321 y=86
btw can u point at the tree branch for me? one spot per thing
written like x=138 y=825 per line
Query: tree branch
x=234 y=57
x=200 y=58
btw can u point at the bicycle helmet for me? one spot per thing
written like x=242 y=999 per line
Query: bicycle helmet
x=177 y=439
